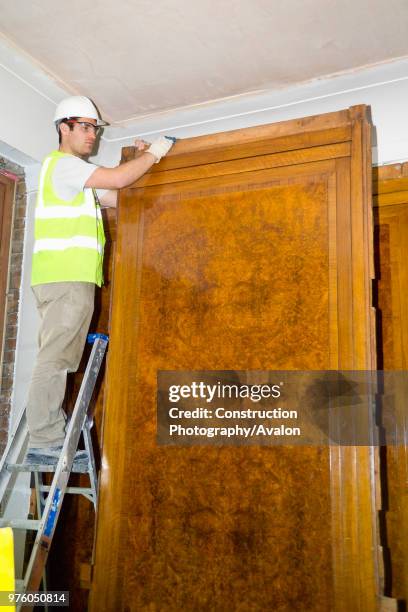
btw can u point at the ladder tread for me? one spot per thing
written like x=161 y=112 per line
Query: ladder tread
x=31 y=524
x=37 y=467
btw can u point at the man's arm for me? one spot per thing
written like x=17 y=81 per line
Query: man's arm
x=127 y=173
x=121 y=176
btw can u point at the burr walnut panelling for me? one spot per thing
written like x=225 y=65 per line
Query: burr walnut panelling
x=240 y=251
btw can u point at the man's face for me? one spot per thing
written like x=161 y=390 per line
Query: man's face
x=79 y=137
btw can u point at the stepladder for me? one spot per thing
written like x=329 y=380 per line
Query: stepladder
x=49 y=497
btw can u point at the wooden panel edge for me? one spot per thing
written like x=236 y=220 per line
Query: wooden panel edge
x=354 y=485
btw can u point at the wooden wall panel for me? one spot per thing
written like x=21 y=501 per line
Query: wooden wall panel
x=205 y=303
x=215 y=285
x=391 y=215
x=245 y=250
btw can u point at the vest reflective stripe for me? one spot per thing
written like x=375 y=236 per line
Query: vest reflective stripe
x=59 y=244
x=65 y=212
x=69 y=236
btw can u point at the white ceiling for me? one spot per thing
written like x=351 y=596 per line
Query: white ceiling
x=140 y=57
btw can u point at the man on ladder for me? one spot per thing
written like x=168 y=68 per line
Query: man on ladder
x=67 y=262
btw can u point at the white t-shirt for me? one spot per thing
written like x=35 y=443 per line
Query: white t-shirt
x=70 y=175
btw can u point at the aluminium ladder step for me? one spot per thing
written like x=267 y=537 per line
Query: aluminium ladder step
x=46 y=467
x=26 y=524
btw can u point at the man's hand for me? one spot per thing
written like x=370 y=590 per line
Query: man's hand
x=141 y=145
x=109 y=199
x=160 y=147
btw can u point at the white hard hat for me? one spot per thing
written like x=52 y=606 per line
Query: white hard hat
x=77 y=106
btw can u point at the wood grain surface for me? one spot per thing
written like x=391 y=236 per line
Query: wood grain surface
x=245 y=250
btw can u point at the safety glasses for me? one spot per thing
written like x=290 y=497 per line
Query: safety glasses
x=85 y=126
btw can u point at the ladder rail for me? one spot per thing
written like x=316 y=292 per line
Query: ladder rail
x=92 y=465
x=14 y=453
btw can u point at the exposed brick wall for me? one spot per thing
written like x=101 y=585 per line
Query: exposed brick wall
x=13 y=298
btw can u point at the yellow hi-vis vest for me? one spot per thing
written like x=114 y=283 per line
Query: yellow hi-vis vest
x=69 y=236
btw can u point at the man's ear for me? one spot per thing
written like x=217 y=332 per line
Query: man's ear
x=64 y=128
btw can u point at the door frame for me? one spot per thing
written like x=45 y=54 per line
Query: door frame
x=6 y=225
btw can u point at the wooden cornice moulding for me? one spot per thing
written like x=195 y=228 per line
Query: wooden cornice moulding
x=292 y=135
x=390 y=185
x=390 y=171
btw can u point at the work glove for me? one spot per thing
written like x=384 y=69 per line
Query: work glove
x=160 y=147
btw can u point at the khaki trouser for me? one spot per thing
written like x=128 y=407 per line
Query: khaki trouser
x=66 y=311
